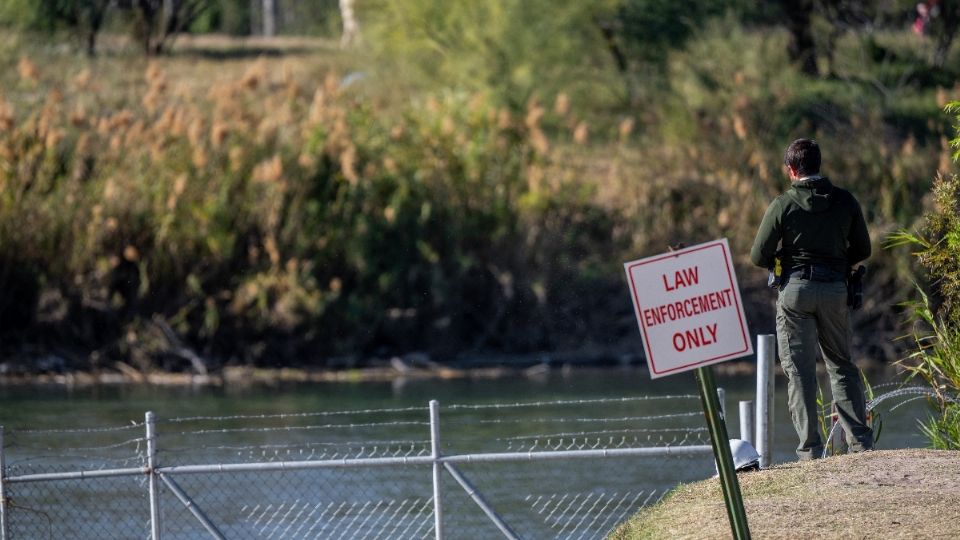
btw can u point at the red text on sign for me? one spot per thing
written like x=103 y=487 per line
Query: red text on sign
x=697 y=337
x=682 y=278
x=681 y=309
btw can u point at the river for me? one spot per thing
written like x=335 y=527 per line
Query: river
x=560 y=409
x=53 y=407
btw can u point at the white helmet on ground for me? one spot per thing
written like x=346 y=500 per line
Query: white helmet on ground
x=745 y=457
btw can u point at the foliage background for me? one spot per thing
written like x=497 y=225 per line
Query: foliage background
x=464 y=182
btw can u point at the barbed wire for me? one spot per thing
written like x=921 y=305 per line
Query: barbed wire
x=382 y=503
x=298 y=428
x=585 y=443
x=83 y=448
x=32 y=460
x=566 y=402
x=604 y=432
x=909 y=390
x=291 y=415
x=133 y=425
x=313 y=454
x=909 y=400
x=918 y=391
x=307 y=444
x=374 y=508
x=576 y=420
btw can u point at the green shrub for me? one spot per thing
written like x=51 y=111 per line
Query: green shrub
x=516 y=49
x=936 y=357
x=275 y=213
x=936 y=362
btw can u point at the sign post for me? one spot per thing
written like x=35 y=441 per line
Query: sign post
x=688 y=307
x=721 y=451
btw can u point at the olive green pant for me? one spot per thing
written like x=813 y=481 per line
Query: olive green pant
x=813 y=315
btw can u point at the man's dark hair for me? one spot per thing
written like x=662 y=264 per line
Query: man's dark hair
x=804 y=156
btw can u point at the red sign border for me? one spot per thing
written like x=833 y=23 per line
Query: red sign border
x=733 y=285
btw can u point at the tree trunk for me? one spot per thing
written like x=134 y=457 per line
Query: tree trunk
x=619 y=58
x=801 y=48
x=269 y=18
x=96 y=13
x=950 y=25
x=169 y=14
x=351 y=30
x=91 y=42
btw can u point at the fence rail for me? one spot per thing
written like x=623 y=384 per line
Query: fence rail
x=39 y=502
x=462 y=471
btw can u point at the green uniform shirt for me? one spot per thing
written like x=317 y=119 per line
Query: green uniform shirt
x=813 y=222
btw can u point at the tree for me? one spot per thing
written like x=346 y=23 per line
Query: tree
x=649 y=28
x=92 y=15
x=351 y=29
x=843 y=16
x=157 y=22
x=801 y=47
x=269 y=18
x=512 y=48
x=643 y=31
x=82 y=18
x=943 y=29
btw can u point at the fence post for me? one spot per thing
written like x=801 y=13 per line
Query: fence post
x=3 y=491
x=746 y=421
x=766 y=345
x=435 y=455
x=722 y=397
x=152 y=478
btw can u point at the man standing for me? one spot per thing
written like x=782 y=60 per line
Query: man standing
x=818 y=232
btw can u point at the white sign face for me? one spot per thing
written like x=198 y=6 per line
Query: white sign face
x=688 y=305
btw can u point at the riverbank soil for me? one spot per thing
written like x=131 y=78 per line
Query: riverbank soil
x=883 y=494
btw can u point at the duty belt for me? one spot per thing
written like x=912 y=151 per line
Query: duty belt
x=816 y=272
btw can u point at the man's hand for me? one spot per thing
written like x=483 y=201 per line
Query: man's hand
x=855 y=286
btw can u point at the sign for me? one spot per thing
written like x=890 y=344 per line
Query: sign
x=688 y=306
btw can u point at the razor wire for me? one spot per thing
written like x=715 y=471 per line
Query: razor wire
x=915 y=393
x=363 y=473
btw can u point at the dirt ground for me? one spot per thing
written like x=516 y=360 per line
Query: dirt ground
x=883 y=494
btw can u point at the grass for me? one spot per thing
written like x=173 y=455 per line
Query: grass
x=884 y=494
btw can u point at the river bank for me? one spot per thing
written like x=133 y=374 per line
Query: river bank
x=407 y=367
x=911 y=493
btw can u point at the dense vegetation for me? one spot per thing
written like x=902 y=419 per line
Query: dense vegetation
x=935 y=360
x=449 y=186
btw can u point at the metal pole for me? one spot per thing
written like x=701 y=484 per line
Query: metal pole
x=722 y=397
x=721 y=448
x=3 y=491
x=746 y=421
x=77 y=475
x=435 y=455
x=193 y=508
x=481 y=502
x=152 y=478
x=766 y=347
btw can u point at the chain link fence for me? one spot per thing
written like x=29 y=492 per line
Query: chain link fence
x=548 y=469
